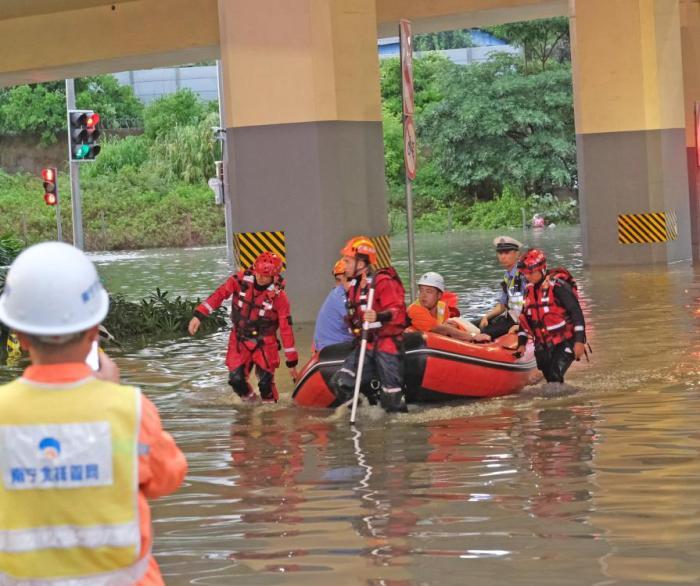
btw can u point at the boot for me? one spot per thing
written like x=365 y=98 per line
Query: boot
x=238 y=382
x=393 y=402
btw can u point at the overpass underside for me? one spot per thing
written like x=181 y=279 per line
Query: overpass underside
x=303 y=113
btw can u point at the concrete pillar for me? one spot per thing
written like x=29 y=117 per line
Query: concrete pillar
x=303 y=120
x=690 y=44
x=630 y=125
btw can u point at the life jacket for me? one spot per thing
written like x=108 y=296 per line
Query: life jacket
x=513 y=289
x=452 y=302
x=562 y=274
x=356 y=304
x=550 y=322
x=252 y=313
x=442 y=313
x=69 y=487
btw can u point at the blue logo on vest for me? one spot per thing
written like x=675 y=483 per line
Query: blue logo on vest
x=50 y=448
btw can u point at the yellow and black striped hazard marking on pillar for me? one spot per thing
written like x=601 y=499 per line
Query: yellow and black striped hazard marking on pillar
x=647 y=228
x=383 y=246
x=249 y=245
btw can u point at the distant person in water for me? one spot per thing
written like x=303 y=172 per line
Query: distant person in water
x=331 y=326
x=435 y=309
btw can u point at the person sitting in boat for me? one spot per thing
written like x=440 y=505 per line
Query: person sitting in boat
x=435 y=310
x=330 y=322
x=551 y=316
x=387 y=319
x=260 y=307
x=503 y=317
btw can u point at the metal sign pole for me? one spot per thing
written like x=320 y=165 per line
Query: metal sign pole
x=76 y=199
x=409 y=230
x=228 y=204
x=410 y=152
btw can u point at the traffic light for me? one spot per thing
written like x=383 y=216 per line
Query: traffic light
x=50 y=178
x=83 y=132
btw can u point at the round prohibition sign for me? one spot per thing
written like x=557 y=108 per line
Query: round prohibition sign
x=410 y=148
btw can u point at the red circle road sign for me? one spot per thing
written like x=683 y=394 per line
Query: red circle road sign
x=410 y=149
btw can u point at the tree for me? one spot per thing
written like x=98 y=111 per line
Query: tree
x=32 y=108
x=457 y=39
x=541 y=40
x=495 y=126
x=114 y=102
x=427 y=71
x=41 y=108
x=182 y=108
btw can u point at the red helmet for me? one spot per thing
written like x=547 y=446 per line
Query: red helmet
x=533 y=260
x=268 y=264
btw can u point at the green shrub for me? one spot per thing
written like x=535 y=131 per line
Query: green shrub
x=124 y=210
x=118 y=153
x=156 y=317
x=183 y=108
x=186 y=153
x=500 y=212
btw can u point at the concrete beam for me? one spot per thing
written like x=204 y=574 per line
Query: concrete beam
x=427 y=17
x=24 y=8
x=103 y=38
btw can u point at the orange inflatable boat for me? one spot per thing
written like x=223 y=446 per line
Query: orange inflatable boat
x=436 y=369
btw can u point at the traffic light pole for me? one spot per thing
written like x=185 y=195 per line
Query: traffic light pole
x=59 y=229
x=76 y=196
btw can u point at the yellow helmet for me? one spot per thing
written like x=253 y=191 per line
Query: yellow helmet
x=360 y=245
x=339 y=268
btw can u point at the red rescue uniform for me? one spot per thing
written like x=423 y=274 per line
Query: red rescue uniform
x=389 y=304
x=382 y=360
x=257 y=313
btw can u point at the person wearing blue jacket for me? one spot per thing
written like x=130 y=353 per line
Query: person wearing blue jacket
x=331 y=327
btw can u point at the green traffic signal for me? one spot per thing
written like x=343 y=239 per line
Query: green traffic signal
x=82 y=151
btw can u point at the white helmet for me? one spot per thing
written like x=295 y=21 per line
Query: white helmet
x=433 y=280
x=52 y=289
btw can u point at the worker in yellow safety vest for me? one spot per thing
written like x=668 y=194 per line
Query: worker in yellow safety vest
x=79 y=453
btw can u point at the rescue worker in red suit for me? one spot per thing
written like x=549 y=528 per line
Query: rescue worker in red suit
x=551 y=316
x=258 y=309
x=387 y=320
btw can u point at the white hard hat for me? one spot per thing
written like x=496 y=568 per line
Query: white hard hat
x=52 y=289
x=433 y=280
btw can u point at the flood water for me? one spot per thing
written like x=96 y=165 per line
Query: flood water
x=596 y=483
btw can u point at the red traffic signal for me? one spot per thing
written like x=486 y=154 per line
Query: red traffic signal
x=49 y=177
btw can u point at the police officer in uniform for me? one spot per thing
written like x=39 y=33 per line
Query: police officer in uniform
x=504 y=316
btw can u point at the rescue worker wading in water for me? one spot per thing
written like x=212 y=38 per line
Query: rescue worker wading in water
x=387 y=320
x=552 y=316
x=258 y=309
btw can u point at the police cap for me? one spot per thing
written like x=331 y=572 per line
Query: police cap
x=505 y=243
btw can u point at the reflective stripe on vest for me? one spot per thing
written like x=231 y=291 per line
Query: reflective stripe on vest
x=515 y=296
x=442 y=312
x=69 y=484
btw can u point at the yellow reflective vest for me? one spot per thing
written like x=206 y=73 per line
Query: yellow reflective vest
x=69 y=485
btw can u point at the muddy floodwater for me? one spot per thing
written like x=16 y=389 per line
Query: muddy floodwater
x=597 y=482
